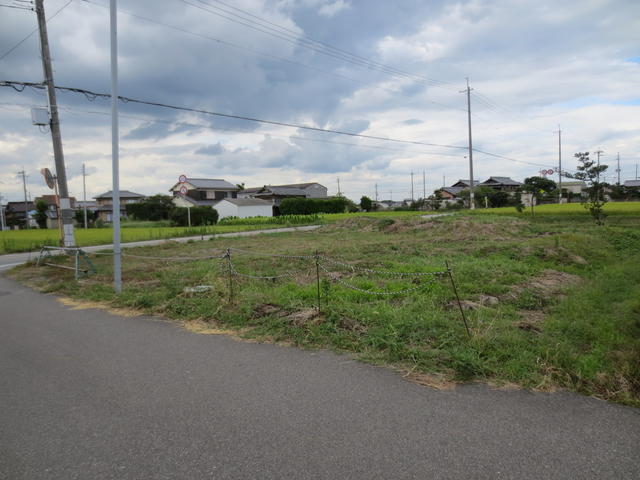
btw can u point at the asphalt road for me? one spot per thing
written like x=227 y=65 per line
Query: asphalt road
x=88 y=395
x=11 y=260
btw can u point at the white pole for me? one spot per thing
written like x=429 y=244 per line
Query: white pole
x=117 y=275
x=189 y=216
x=84 y=194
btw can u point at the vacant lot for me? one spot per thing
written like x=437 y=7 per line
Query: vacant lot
x=551 y=301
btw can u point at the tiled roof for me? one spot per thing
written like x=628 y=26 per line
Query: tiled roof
x=453 y=190
x=123 y=194
x=632 y=183
x=501 y=181
x=212 y=183
x=282 y=191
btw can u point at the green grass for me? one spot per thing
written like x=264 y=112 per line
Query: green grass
x=568 y=313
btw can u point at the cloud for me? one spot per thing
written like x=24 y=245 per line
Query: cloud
x=331 y=9
x=215 y=149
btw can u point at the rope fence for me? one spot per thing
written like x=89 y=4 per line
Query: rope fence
x=317 y=263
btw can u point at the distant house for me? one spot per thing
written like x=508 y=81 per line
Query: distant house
x=203 y=192
x=574 y=187
x=105 y=204
x=276 y=193
x=451 y=193
x=464 y=184
x=15 y=214
x=243 y=208
x=52 y=208
x=504 y=184
x=628 y=183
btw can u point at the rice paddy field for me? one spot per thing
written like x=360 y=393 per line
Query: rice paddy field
x=30 y=240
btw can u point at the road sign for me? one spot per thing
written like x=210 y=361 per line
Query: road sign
x=48 y=177
x=183 y=190
x=182 y=178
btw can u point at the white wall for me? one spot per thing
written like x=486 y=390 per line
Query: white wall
x=228 y=209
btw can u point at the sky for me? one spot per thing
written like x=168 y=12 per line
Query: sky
x=371 y=67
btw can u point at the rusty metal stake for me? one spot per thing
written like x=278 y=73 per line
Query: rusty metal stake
x=455 y=290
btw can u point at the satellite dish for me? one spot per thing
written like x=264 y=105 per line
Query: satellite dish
x=48 y=177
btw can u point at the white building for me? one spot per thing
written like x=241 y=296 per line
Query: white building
x=243 y=208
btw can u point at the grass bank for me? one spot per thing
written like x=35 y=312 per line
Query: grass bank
x=549 y=303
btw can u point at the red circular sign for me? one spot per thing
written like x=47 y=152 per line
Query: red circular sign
x=182 y=178
x=183 y=190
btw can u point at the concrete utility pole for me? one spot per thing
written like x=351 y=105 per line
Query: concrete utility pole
x=54 y=124
x=115 y=147
x=424 y=185
x=598 y=153
x=24 y=188
x=339 y=194
x=559 y=165
x=376 y=192
x=84 y=194
x=618 y=169
x=471 y=195
x=412 y=199
x=3 y=223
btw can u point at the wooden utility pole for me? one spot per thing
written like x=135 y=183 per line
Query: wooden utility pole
x=66 y=213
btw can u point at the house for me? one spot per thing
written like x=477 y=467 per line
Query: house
x=451 y=193
x=203 y=192
x=310 y=190
x=243 y=208
x=504 y=184
x=276 y=193
x=15 y=214
x=52 y=208
x=629 y=183
x=464 y=184
x=105 y=204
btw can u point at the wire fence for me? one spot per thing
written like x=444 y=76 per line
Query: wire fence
x=317 y=264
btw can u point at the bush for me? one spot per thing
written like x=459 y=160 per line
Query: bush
x=154 y=208
x=308 y=206
x=199 y=216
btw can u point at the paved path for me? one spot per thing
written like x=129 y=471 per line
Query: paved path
x=13 y=259
x=88 y=395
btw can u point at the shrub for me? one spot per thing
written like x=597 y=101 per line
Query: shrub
x=199 y=216
x=308 y=206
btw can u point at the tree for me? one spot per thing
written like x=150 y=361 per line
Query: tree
x=366 y=204
x=91 y=217
x=589 y=172
x=479 y=193
x=41 y=213
x=538 y=187
x=154 y=208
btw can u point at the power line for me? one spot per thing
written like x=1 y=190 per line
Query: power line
x=283 y=33
x=90 y=95
x=34 y=31
x=236 y=46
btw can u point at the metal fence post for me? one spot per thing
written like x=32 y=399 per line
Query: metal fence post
x=77 y=262
x=230 y=274
x=317 y=257
x=455 y=290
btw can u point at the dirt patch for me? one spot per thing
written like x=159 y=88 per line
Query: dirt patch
x=308 y=316
x=432 y=380
x=550 y=283
x=267 y=310
x=86 y=305
x=530 y=320
x=352 y=325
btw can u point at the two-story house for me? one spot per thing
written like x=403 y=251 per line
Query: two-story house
x=203 y=192
x=105 y=204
